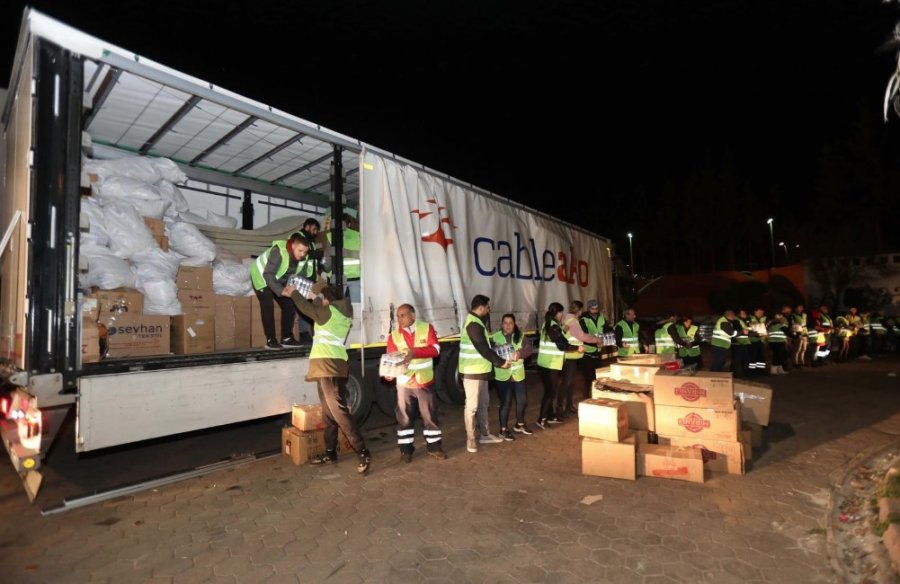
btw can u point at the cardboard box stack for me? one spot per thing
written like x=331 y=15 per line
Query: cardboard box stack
x=698 y=410
x=194 y=332
x=756 y=409
x=129 y=332
x=607 y=447
x=305 y=437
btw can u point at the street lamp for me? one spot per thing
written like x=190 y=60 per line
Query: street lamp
x=787 y=255
x=631 y=252
x=772 y=239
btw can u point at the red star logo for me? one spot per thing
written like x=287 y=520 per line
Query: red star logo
x=437 y=236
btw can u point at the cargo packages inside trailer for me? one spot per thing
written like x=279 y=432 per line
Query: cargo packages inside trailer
x=137 y=196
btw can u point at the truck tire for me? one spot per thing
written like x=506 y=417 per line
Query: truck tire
x=449 y=386
x=385 y=396
x=359 y=395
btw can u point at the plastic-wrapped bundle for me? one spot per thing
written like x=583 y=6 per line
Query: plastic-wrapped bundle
x=128 y=234
x=105 y=270
x=303 y=286
x=187 y=240
x=232 y=279
x=505 y=351
x=392 y=365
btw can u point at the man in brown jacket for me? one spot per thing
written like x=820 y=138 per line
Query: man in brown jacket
x=329 y=368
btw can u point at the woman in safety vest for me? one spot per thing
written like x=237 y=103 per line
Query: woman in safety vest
x=551 y=357
x=511 y=382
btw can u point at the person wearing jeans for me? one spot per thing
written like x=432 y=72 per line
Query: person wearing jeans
x=476 y=360
x=511 y=382
x=551 y=357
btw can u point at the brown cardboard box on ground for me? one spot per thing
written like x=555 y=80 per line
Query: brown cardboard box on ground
x=233 y=326
x=603 y=419
x=307 y=417
x=90 y=341
x=717 y=455
x=194 y=278
x=136 y=335
x=157 y=226
x=756 y=433
x=698 y=423
x=756 y=401
x=639 y=406
x=702 y=389
x=194 y=334
x=290 y=444
x=670 y=462
x=602 y=458
x=118 y=301
x=196 y=301
x=647 y=359
x=314 y=444
x=643 y=374
x=747 y=443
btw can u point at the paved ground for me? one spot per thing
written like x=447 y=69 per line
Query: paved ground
x=513 y=512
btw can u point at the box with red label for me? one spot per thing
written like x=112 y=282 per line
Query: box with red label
x=307 y=417
x=194 y=301
x=670 y=462
x=718 y=455
x=698 y=423
x=602 y=458
x=604 y=419
x=702 y=389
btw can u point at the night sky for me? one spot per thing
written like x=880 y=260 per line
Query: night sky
x=656 y=112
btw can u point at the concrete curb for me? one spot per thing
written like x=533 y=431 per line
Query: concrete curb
x=838 y=479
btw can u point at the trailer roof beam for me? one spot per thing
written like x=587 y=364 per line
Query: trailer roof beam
x=106 y=87
x=173 y=119
x=224 y=139
x=269 y=154
x=303 y=168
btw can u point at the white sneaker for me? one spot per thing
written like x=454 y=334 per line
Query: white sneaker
x=490 y=439
x=471 y=446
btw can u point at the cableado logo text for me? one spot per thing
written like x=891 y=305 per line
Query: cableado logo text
x=521 y=259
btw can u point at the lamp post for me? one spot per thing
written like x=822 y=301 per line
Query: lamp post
x=787 y=255
x=631 y=252
x=772 y=239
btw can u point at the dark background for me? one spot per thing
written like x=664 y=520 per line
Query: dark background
x=686 y=123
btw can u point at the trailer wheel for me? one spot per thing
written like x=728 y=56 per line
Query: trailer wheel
x=359 y=395
x=449 y=385
x=385 y=396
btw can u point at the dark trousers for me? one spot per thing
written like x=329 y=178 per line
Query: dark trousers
x=588 y=367
x=720 y=355
x=779 y=354
x=740 y=359
x=507 y=390
x=692 y=360
x=552 y=379
x=758 y=358
x=267 y=300
x=566 y=392
x=336 y=414
x=412 y=402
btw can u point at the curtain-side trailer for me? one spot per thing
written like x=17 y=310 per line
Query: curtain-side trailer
x=426 y=239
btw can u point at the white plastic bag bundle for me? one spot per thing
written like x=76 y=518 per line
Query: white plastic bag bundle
x=168 y=170
x=139 y=168
x=96 y=234
x=232 y=279
x=155 y=264
x=189 y=217
x=160 y=297
x=128 y=234
x=187 y=240
x=146 y=198
x=217 y=220
x=170 y=192
x=105 y=271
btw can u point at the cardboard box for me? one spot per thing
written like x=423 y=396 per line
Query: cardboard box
x=747 y=443
x=291 y=445
x=643 y=374
x=756 y=433
x=136 y=335
x=670 y=462
x=638 y=405
x=194 y=278
x=604 y=419
x=196 y=301
x=601 y=458
x=307 y=417
x=700 y=423
x=702 y=389
x=756 y=401
x=90 y=341
x=233 y=324
x=116 y=301
x=162 y=242
x=647 y=359
x=157 y=227
x=90 y=308
x=602 y=373
x=194 y=334
x=717 y=455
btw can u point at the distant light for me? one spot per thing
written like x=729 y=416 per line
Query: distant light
x=629 y=235
x=781 y=243
x=770 y=221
